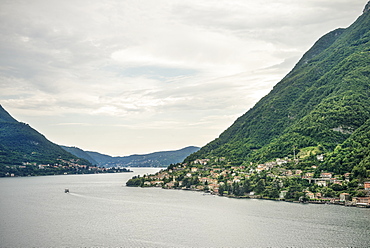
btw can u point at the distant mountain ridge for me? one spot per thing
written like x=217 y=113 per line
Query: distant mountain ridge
x=80 y=153
x=24 y=151
x=155 y=159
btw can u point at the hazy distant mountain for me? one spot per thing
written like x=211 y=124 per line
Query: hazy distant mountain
x=80 y=153
x=21 y=144
x=156 y=159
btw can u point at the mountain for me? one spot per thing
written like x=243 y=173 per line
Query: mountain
x=307 y=140
x=22 y=145
x=101 y=159
x=156 y=159
x=5 y=117
x=319 y=107
x=80 y=153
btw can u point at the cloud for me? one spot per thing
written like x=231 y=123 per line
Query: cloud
x=147 y=65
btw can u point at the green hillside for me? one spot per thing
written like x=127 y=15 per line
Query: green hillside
x=320 y=103
x=80 y=153
x=307 y=140
x=23 y=149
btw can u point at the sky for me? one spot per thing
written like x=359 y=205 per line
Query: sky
x=125 y=77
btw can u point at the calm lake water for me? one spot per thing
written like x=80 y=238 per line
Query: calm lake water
x=101 y=211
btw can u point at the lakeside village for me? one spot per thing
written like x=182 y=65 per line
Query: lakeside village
x=62 y=167
x=272 y=180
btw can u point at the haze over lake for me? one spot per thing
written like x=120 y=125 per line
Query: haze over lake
x=101 y=211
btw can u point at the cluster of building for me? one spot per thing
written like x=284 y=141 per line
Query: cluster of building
x=210 y=178
x=64 y=166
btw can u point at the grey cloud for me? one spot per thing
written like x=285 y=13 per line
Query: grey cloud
x=273 y=21
x=200 y=59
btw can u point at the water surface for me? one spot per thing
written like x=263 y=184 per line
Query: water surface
x=101 y=211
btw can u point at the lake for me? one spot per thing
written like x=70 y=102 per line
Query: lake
x=100 y=211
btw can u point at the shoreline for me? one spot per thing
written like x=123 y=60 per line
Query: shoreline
x=332 y=201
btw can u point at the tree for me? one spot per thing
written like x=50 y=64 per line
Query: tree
x=247 y=186
x=221 y=190
x=359 y=171
x=271 y=192
x=260 y=186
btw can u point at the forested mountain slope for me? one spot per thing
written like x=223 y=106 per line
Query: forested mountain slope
x=20 y=144
x=322 y=105
x=80 y=153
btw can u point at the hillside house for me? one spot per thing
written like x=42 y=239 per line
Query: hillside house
x=310 y=195
x=282 y=194
x=236 y=179
x=270 y=164
x=326 y=175
x=199 y=187
x=367 y=186
x=261 y=168
x=205 y=179
x=281 y=161
x=320 y=157
x=321 y=183
x=347 y=176
x=343 y=197
x=213 y=187
x=201 y=161
x=308 y=175
x=157 y=183
x=289 y=173
x=170 y=184
x=363 y=201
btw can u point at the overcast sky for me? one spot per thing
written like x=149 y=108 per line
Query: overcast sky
x=123 y=77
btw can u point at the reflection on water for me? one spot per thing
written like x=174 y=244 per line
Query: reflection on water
x=101 y=211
